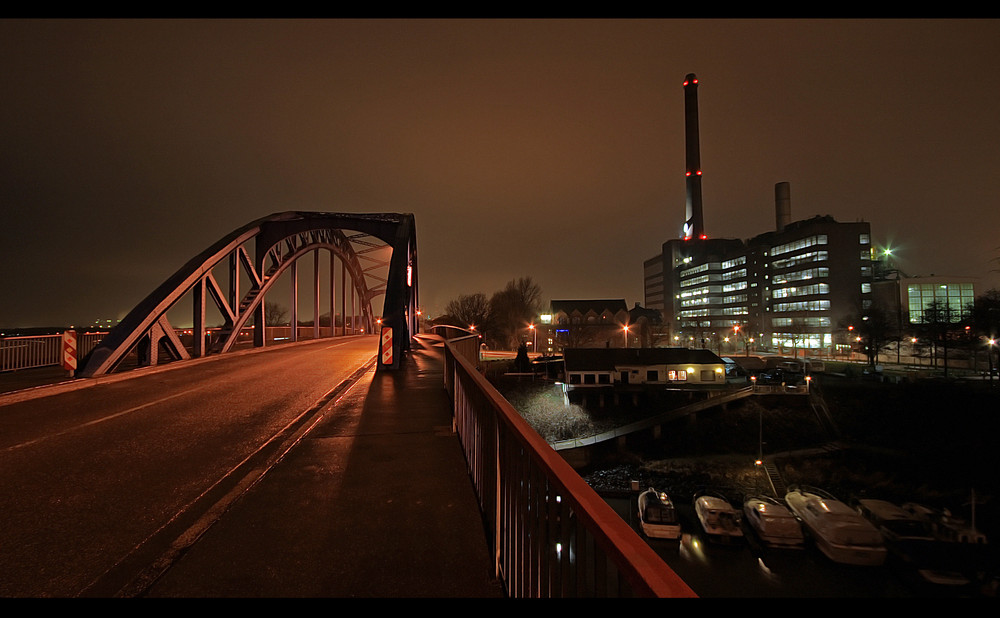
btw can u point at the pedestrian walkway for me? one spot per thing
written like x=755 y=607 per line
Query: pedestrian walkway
x=24 y=379
x=376 y=502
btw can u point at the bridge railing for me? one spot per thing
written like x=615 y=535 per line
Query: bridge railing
x=29 y=352
x=552 y=535
x=33 y=351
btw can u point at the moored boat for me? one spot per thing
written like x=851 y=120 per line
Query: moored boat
x=959 y=553
x=657 y=515
x=717 y=516
x=841 y=533
x=945 y=526
x=772 y=522
x=911 y=542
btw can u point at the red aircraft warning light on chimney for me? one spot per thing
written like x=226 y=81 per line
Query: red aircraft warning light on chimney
x=694 y=225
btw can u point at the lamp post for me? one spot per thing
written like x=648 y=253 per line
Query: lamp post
x=760 y=436
x=534 y=337
x=625 y=334
x=989 y=354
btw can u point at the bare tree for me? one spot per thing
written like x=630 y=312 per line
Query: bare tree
x=876 y=328
x=274 y=314
x=938 y=323
x=512 y=310
x=469 y=310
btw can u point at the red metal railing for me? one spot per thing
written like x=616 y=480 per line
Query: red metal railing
x=552 y=535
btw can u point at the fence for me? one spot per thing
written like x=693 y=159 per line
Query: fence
x=29 y=352
x=552 y=535
x=41 y=350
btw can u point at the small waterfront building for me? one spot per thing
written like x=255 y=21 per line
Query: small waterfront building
x=660 y=367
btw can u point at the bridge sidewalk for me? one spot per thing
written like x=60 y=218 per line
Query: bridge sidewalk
x=375 y=502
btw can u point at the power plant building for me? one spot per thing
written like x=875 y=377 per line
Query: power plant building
x=789 y=287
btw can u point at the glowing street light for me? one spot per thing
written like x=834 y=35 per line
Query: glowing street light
x=989 y=354
x=625 y=334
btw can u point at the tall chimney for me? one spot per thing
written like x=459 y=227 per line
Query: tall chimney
x=782 y=206
x=694 y=226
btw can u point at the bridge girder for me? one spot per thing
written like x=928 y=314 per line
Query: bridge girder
x=279 y=241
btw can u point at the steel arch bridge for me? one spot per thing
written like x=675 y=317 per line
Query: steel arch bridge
x=279 y=241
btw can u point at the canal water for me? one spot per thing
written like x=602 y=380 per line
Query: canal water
x=746 y=569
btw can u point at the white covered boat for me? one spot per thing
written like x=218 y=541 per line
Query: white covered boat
x=839 y=531
x=773 y=522
x=657 y=515
x=717 y=516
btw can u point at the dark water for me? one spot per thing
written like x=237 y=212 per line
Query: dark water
x=746 y=569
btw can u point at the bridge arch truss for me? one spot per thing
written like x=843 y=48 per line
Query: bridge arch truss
x=359 y=241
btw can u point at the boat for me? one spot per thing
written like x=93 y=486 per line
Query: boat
x=773 y=522
x=839 y=531
x=897 y=526
x=657 y=515
x=717 y=516
x=909 y=536
x=959 y=554
x=944 y=526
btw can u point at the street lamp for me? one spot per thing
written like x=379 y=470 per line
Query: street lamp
x=625 y=334
x=760 y=437
x=534 y=339
x=989 y=354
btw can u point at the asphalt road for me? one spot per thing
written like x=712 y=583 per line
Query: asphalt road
x=101 y=488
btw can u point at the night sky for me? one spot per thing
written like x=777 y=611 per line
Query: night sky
x=545 y=148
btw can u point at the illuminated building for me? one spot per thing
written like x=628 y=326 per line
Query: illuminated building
x=616 y=371
x=910 y=297
x=787 y=288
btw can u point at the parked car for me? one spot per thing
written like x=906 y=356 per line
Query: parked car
x=779 y=376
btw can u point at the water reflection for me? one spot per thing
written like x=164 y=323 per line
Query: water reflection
x=691 y=549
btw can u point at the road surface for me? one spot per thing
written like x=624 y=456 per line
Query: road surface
x=101 y=488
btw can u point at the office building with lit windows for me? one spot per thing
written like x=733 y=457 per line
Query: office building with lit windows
x=787 y=288
x=910 y=298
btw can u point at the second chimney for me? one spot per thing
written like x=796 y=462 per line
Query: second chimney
x=782 y=205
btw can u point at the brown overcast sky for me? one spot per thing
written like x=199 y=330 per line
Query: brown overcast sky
x=545 y=148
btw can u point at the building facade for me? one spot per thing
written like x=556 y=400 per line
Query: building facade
x=787 y=288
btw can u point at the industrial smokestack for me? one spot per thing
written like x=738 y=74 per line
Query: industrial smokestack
x=694 y=226
x=782 y=206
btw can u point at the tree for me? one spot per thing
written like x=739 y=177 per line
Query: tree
x=984 y=315
x=576 y=336
x=512 y=309
x=274 y=314
x=743 y=333
x=502 y=319
x=469 y=310
x=876 y=328
x=938 y=323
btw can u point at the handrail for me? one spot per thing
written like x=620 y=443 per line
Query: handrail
x=552 y=535
x=32 y=351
